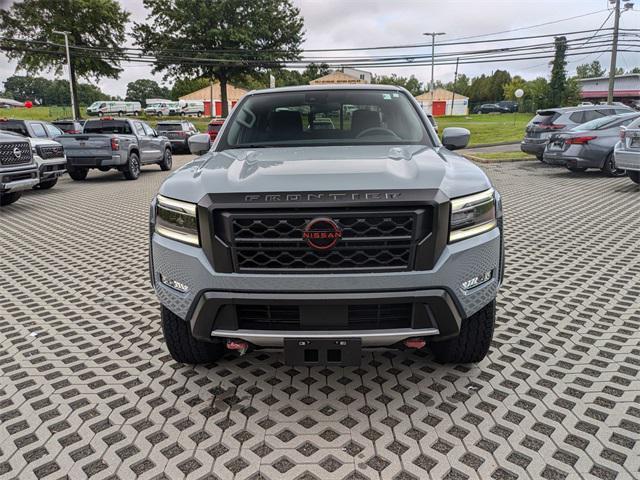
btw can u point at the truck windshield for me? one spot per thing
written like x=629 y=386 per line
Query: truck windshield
x=325 y=117
x=15 y=126
x=107 y=126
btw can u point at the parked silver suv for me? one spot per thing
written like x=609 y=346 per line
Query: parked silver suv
x=325 y=241
x=557 y=120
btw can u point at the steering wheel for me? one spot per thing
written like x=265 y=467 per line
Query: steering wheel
x=368 y=131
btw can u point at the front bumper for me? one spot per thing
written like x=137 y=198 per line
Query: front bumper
x=438 y=291
x=95 y=161
x=18 y=179
x=627 y=160
x=51 y=168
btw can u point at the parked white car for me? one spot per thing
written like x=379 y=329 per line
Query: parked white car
x=101 y=108
x=627 y=151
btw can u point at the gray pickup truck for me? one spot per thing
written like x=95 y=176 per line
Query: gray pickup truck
x=18 y=171
x=366 y=233
x=110 y=143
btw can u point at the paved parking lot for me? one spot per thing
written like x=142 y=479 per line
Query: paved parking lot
x=87 y=388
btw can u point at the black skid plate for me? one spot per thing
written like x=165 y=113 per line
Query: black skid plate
x=337 y=352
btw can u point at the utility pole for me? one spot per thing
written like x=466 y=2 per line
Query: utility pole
x=614 y=53
x=433 y=49
x=66 y=47
x=455 y=79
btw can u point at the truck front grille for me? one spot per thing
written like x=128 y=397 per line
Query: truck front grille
x=50 y=151
x=15 y=153
x=371 y=240
x=359 y=317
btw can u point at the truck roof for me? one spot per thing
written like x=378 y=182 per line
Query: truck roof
x=344 y=86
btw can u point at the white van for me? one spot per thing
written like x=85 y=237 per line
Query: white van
x=107 y=107
x=192 y=107
x=163 y=109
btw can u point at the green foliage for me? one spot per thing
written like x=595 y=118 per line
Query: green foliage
x=411 y=83
x=509 y=89
x=487 y=88
x=572 y=92
x=142 y=89
x=184 y=86
x=91 y=23
x=635 y=70
x=247 y=35
x=558 y=81
x=50 y=92
x=590 y=70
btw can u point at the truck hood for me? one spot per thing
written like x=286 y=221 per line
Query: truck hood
x=42 y=142
x=312 y=169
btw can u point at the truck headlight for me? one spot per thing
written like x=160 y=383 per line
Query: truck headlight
x=177 y=220
x=472 y=215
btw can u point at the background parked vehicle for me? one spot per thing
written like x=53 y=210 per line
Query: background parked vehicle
x=122 y=144
x=47 y=153
x=509 y=105
x=69 y=126
x=491 y=108
x=559 y=120
x=101 y=108
x=627 y=151
x=590 y=145
x=18 y=170
x=192 y=107
x=163 y=109
x=178 y=133
x=214 y=127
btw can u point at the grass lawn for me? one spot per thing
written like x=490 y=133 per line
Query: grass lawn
x=484 y=128
x=489 y=128
x=502 y=156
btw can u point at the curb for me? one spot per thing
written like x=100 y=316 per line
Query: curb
x=485 y=145
x=473 y=158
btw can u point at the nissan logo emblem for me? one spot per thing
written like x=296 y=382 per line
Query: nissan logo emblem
x=322 y=233
x=17 y=152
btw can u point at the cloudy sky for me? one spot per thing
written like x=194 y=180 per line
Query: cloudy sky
x=359 y=23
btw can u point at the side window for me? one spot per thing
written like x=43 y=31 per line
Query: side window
x=592 y=115
x=139 y=129
x=605 y=112
x=147 y=129
x=53 y=131
x=622 y=111
x=38 y=130
x=577 y=117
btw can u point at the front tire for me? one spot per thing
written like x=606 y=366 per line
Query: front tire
x=634 y=176
x=473 y=342
x=182 y=346
x=78 y=174
x=131 y=170
x=167 y=160
x=610 y=169
x=47 y=184
x=9 y=198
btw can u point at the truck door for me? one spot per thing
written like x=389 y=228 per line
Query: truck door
x=154 y=141
x=144 y=143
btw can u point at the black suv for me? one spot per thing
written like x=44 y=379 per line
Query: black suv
x=178 y=133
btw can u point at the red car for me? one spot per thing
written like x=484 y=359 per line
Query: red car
x=214 y=127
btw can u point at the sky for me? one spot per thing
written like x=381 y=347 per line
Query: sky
x=359 y=23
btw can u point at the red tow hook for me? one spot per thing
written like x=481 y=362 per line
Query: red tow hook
x=240 y=346
x=415 y=343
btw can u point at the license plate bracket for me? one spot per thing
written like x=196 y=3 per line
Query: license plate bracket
x=322 y=351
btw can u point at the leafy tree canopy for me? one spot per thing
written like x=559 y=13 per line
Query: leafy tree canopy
x=142 y=89
x=225 y=39
x=50 y=92
x=411 y=83
x=91 y=23
x=590 y=70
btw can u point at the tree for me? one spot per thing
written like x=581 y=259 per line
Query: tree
x=140 y=90
x=184 y=86
x=95 y=24
x=590 y=70
x=635 y=70
x=537 y=93
x=221 y=40
x=572 y=92
x=411 y=83
x=26 y=88
x=314 y=71
x=558 y=72
x=509 y=89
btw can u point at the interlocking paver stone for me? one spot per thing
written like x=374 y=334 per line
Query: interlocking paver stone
x=87 y=388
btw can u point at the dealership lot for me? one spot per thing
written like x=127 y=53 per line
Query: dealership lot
x=87 y=388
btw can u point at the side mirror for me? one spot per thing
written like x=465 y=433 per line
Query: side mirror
x=199 y=144
x=455 y=138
